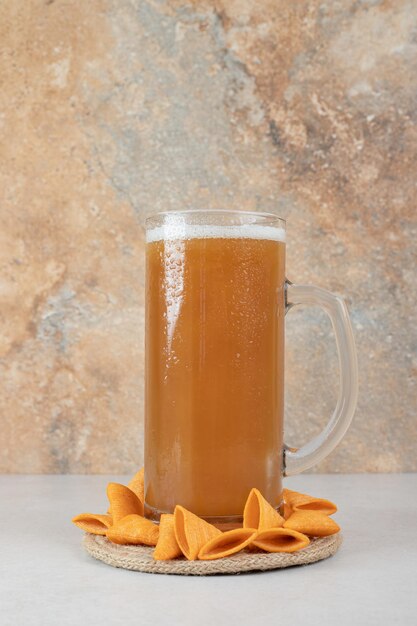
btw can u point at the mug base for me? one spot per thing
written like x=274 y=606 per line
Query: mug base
x=223 y=522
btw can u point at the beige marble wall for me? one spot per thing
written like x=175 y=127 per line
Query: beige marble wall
x=110 y=110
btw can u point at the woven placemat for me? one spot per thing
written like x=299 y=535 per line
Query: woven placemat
x=139 y=558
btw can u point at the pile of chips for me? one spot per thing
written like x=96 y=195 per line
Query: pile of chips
x=184 y=534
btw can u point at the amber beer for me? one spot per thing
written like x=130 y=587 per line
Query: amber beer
x=214 y=365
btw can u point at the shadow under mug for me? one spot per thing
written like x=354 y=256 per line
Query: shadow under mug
x=216 y=299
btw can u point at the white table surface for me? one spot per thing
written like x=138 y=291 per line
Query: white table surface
x=47 y=578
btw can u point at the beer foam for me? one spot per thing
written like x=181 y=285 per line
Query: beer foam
x=172 y=232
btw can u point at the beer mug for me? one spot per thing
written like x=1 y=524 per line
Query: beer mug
x=216 y=299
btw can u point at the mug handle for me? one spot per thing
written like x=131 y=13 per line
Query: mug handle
x=297 y=460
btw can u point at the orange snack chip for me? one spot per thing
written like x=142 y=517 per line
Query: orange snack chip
x=287 y=510
x=123 y=501
x=312 y=523
x=192 y=532
x=259 y=513
x=302 y=501
x=227 y=543
x=281 y=540
x=134 y=529
x=167 y=546
x=137 y=484
x=93 y=523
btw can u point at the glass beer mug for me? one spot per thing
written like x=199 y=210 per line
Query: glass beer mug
x=216 y=298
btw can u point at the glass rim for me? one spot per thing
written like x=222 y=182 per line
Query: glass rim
x=260 y=214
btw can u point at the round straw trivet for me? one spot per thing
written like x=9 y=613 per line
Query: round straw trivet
x=139 y=558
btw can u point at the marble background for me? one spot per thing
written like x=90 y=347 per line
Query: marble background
x=110 y=110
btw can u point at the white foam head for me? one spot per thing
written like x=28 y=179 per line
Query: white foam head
x=177 y=231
